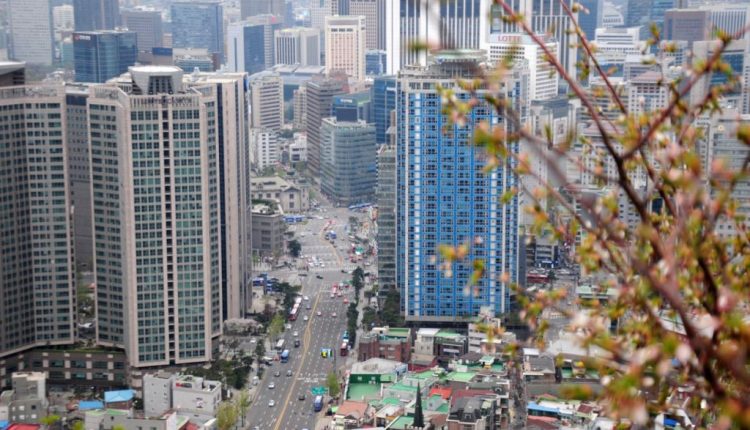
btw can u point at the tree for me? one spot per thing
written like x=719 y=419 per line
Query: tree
x=276 y=326
x=242 y=402
x=226 y=416
x=418 y=414
x=260 y=350
x=665 y=230
x=332 y=382
x=50 y=420
x=295 y=248
x=78 y=425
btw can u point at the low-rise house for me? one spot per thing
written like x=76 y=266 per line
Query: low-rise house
x=291 y=197
x=386 y=342
x=27 y=401
x=352 y=414
x=473 y=413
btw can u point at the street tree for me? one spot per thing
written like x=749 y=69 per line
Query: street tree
x=333 y=385
x=276 y=327
x=260 y=350
x=295 y=248
x=677 y=271
x=226 y=415
x=242 y=403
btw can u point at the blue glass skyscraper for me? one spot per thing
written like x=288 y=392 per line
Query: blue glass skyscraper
x=443 y=196
x=102 y=55
x=198 y=25
x=383 y=101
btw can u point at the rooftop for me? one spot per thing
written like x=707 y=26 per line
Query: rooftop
x=359 y=391
x=402 y=423
x=118 y=396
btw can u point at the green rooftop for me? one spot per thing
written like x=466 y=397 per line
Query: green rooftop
x=425 y=374
x=402 y=422
x=448 y=334
x=359 y=392
x=397 y=332
x=461 y=376
x=402 y=387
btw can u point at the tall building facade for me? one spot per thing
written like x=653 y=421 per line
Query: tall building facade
x=251 y=44
x=319 y=95
x=374 y=13
x=445 y=24
x=198 y=24
x=383 y=96
x=519 y=47
x=592 y=20
x=250 y=8
x=298 y=45
x=444 y=196
x=169 y=196
x=376 y=62
x=31 y=31
x=102 y=55
x=266 y=100
x=38 y=274
x=348 y=165
x=91 y=15
x=264 y=148
x=345 y=45
x=147 y=24
x=385 y=196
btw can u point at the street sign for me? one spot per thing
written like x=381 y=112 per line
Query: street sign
x=318 y=391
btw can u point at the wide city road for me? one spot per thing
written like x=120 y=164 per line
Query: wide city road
x=328 y=266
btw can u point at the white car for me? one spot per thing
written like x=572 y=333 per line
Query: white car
x=295 y=334
x=306 y=298
x=271 y=403
x=319 y=313
x=271 y=386
x=305 y=318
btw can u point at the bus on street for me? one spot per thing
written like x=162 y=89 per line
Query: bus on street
x=280 y=345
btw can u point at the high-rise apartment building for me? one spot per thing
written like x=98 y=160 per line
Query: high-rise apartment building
x=198 y=24
x=250 y=44
x=91 y=15
x=170 y=192
x=383 y=97
x=147 y=24
x=102 y=55
x=444 y=196
x=319 y=95
x=299 y=106
x=36 y=236
x=374 y=13
x=348 y=165
x=543 y=79
x=31 y=31
x=345 y=45
x=249 y=8
x=298 y=45
x=266 y=100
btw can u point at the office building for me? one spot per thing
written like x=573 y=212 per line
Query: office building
x=266 y=101
x=27 y=401
x=383 y=103
x=374 y=13
x=147 y=24
x=299 y=107
x=190 y=60
x=736 y=55
x=101 y=55
x=12 y=73
x=348 y=165
x=198 y=24
x=62 y=17
x=689 y=25
x=543 y=79
x=544 y=17
x=319 y=10
x=445 y=197
x=268 y=227
x=291 y=197
x=298 y=45
x=264 y=148
x=449 y=24
x=250 y=8
x=172 y=248
x=77 y=136
x=615 y=45
x=592 y=20
x=38 y=282
x=352 y=107
x=91 y=15
x=31 y=31
x=385 y=195
x=376 y=62
x=250 y=44
x=345 y=45
x=319 y=95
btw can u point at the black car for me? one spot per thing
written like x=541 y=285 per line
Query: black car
x=296 y=343
x=319 y=276
x=301 y=396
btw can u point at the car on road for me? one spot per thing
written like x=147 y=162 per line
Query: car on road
x=305 y=318
x=302 y=396
x=306 y=298
x=308 y=307
x=333 y=314
x=338 y=294
x=295 y=334
x=271 y=403
x=253 y=340
x=346 y=301
x=271 y=386
x=319 y=313
x=319 y=276
x=289 y=372
x=296 y=343
x=277 y=373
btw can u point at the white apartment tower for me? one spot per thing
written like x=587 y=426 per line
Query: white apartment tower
x=543 y=81
x=31 y=31
x=297 y=45
x=169 y=187
x=345 y=45
x=266 y=100
x=374 y=13
x=264 y=148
